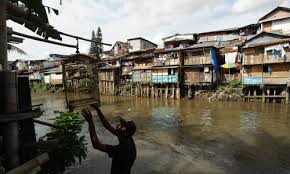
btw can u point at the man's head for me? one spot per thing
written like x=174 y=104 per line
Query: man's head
x=126 y=128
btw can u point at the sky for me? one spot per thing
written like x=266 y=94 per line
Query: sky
x=151 y=19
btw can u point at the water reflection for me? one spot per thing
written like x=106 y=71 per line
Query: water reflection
x=163 y=118
x=248 y=121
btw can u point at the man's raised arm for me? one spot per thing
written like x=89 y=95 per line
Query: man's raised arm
x=104 y=121
x=94 y=138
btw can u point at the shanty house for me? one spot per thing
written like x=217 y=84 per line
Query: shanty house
x=266 y=67
x=277 y=21
x=179 y=40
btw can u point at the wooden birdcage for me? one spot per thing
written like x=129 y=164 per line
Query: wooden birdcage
x=80 y=80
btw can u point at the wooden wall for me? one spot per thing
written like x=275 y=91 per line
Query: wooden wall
x=197 y=75
x=257 y=56
x=280 y=73
x=197 y=58
x=106 y=75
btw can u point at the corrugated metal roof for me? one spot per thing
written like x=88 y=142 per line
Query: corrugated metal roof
x=277 y=8
x=276 y=41
x=179 y=37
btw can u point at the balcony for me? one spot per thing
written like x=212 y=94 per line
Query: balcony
x=197 y=60
x=165 y=62
x=265 y=59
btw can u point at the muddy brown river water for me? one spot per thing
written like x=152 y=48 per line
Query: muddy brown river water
x=187 y=136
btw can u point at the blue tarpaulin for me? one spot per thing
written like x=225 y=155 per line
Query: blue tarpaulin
x=164 y=78
x=213 y=59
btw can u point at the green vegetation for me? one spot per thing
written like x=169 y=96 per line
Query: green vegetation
x=96 y=48
x=39 y=86
x=234 y=87
x=70 y=146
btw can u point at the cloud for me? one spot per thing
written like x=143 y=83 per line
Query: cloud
x=120 y=20
x=241 y=6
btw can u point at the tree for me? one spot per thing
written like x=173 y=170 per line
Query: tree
x=96 y=47
x=99 y=40
x=93 y=48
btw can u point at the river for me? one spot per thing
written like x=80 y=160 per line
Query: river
x=188 y=136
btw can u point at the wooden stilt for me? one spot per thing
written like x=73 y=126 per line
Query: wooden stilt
x=173 y=91
x=274 y=100
x=189 y=93
x=141 y=87
x=287 y=95
x=178 y=92
x=263 y=95
x=166 y=91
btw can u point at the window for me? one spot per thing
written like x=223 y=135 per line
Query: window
x=267 y=69
x=259 y=50
x=194 y=53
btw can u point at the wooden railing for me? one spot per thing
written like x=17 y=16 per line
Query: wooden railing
x=201 y=60
x=262 y=59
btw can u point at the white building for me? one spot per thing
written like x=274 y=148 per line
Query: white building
x=139 y=43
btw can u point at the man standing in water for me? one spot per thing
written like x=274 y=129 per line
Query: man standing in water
x=124 y=154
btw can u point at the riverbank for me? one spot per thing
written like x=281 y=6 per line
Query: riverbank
x=231 y=91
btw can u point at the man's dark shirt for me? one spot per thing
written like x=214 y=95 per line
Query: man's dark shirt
x=123 y=156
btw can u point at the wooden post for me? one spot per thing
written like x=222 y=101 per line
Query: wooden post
x=274 y=100
x=189 y=95
x=113 y=88
x=178 y=92
x=32 y=166
x=173 y=91
x=166 y=91
x=3 y=37
x=263 y=95
x=141 y=87
x=287 y=95
x=147 y=91
x=10 y=132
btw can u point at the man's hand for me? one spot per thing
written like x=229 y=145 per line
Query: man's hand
x=86 y=113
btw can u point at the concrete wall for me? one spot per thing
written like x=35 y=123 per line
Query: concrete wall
x=145 y=45
x=281 y=25
x=139 y=44
x=135 y=45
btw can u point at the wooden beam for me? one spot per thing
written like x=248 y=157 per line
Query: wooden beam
x=43 y=40
x=31 y=165
x=48 y=27
x=14 y=39
x=45 y=123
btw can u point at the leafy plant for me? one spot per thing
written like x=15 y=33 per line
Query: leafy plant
x=70 y=145
x=233 y=87
x=39 y=86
